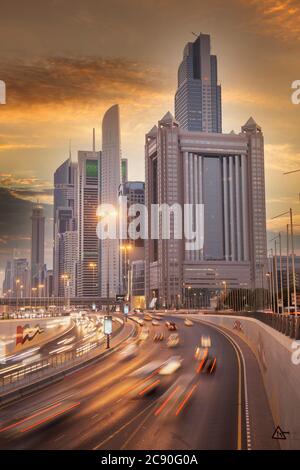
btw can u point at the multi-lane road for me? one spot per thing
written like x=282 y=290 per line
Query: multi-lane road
x=125 y=402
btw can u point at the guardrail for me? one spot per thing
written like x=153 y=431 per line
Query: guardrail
x=20 y=376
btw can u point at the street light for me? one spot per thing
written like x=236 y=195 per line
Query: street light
x=17 y=293
x=34 y=290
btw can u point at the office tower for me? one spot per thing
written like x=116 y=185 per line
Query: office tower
x=65 y=218
x=198 y=96
x=37 y=246
x=8 y=279
x=20 y=277
x=110 y=181
x=133 y=250
x=70 y=254
x=225 y=173
x=124 y=170
x=88 y=243
x=138 y=284
x=49 y=283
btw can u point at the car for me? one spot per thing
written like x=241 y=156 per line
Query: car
x=147 y=317
x=144 y=334
x=171 y=325
x=159 y=336
x=129 y=351
x=207 y=362
x=205 y=341
x=188 y=322
x=173 y=340
x=171 y=366
x=155 y=323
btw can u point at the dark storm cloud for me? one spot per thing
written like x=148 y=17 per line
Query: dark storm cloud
x=15 y=223
x=62 y=79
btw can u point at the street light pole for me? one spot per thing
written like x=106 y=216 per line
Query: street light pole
x=293 y=261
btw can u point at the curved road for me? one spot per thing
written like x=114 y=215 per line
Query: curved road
x=107 y=405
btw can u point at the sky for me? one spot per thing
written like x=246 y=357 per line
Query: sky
x=65 y=62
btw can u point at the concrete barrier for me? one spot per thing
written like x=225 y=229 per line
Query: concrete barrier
x=279 y=360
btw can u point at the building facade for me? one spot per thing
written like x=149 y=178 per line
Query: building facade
x=225 y=174
x=110 y=182
x=37 y=246
x=65 y=216
x=198 y=96
x=89 y=163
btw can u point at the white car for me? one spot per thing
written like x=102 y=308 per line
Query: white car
x=155 y=323
x=171 y=366
x=205 y=341
x=173 y=340
x=188 y=322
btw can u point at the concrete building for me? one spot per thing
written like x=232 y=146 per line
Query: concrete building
x=138 y=284
x=37 y=246
x=70 y=255
x=17 y=278
x=198 y=96
x=134 y=192
x=110 y=181
x=225 y=173
x=65 y=216
x=88 y=243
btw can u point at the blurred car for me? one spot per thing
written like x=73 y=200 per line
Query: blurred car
x=171 y=365
x=173 y=340
x=129 y=351
x=207 y=362
x=159 y=336
x=188 y=322
x=171 y=325
x=155 y=323
x=144 y=334
x=147 y=317
x=205 y=341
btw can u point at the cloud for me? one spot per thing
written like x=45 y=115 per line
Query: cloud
x=279 y=18
x=15 y=227
x=282 y=157
x=61 y=80
x=27 y=188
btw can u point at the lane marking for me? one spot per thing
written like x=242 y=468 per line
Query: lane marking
x=124 y=426
x=239 y=354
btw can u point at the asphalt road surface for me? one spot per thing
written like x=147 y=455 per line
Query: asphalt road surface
x=125 y=402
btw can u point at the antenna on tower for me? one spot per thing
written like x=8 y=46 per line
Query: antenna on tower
x=94 y=141
x=70 y=148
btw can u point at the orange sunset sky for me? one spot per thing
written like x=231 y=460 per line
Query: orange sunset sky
x=65 y=62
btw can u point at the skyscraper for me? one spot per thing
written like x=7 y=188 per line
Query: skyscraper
x=65 y=218
x=124 y=170
x=225 y=173
x=198 y=96
x=37 y=245
x=88 y=199
x=110 y=181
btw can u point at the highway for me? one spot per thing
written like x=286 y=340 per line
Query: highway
x=116 y=404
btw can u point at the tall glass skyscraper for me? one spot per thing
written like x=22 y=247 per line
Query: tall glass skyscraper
x=198 y=96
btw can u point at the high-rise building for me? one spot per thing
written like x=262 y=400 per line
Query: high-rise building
x=225 y=173
x=17 y=278
x=70 y=256
x=124 y=170
x=88 y=243
x=110 y=181
x=198 y=96
x=134 y=192
x=37 y=246
x=65 y=218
